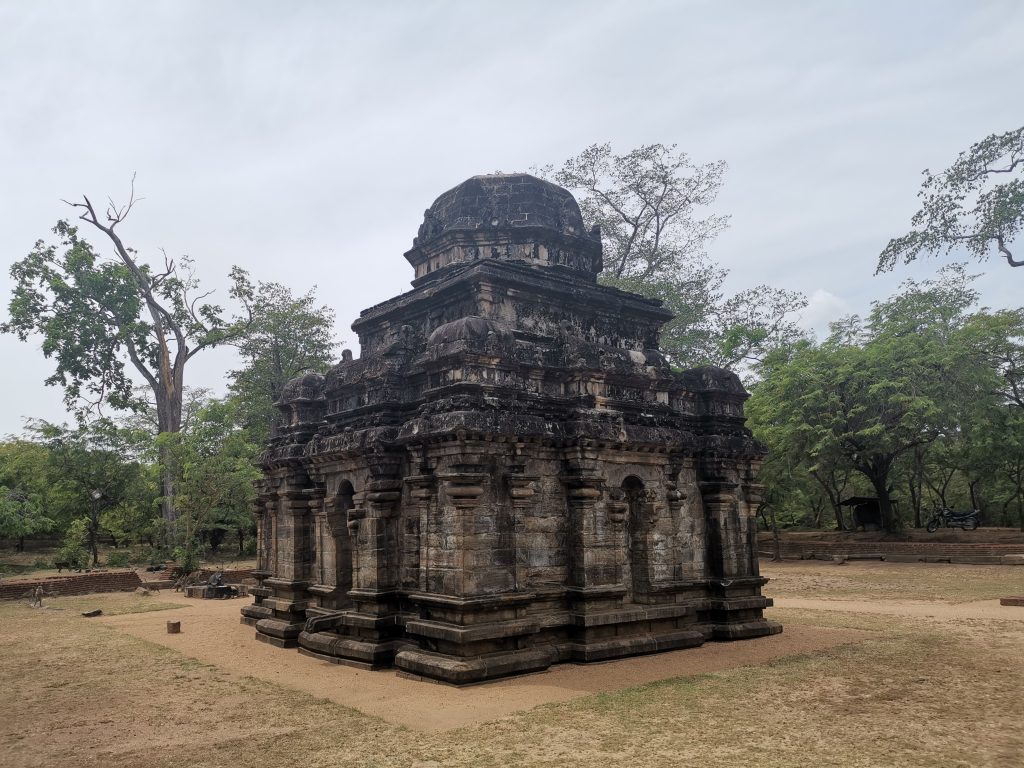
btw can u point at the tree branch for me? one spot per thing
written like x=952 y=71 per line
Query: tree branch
x=1006 y=253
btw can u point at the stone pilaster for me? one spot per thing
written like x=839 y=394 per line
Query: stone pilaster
x=287 y=597
x=265 y=512
x=369 y=633
x=595 y=537
x=522 y=489
x=735 y=606
x=332 y=570
x=422 y=490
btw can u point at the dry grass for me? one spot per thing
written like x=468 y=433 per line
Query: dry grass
x=114 y=604
x=921 y=694
x=867 y=580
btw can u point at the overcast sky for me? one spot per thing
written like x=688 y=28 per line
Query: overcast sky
x=303 y=140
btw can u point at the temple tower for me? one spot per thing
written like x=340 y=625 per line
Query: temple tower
x=510 y=474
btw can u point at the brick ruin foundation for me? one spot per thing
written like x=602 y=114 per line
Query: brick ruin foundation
x=510 y=475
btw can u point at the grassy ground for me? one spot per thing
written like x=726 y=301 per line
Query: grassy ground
x=922 y=693
x=876 y=580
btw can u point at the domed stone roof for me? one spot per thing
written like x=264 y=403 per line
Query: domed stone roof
x=470 y=328
x=502 y=200
x=306 y=386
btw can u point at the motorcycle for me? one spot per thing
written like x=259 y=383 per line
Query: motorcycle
x=948 y=518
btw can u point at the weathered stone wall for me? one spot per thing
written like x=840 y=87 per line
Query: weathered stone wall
x=73 y=584
x=913 y=550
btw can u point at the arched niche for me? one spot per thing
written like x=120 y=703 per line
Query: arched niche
x=335 y=560
x=634 y=571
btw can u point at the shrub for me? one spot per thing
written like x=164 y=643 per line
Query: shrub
x=73 y=548
x=189 y=555
x=119 y=559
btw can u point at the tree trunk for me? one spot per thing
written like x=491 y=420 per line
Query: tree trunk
x=885 y=505
x=834 y=492
x=168 y=414
x=972 y=486
x=167 y=509
x=915 y=484
x=878 y=473
x=816 y=510
x=93 y=526
x=776 y=542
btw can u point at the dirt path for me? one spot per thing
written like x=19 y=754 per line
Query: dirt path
x=211 y=633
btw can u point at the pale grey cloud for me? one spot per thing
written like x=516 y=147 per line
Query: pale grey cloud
x=303 y=140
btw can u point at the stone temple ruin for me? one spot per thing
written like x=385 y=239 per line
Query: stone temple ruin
x=510 y=475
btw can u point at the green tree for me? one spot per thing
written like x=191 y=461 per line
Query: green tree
x=651 y=207
x=22 y=514
x=996 y=442
x=27 y=496
x=648 y=204
x=876 y=390
x=74 y=546
x=99 y=316
x=288 y=335
x=89 y=467
x=213 y=466
x=977 y=204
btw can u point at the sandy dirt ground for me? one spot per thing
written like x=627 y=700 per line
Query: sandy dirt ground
x=211 y=632
x=981 y=609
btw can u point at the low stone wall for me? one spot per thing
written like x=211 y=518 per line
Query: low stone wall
x=235 y=576
x=899 y=551
x=74 y=584
x=159 y=579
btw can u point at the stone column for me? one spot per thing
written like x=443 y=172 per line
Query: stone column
x=735 y=607
x=596 y=558
x=719 y=494
x=372 y=520
x=265 y=512
x=369 y=634
x=525 y=542
x=473 y=625
x=479 y=558
x=753 y=494
x=288 y=598
x=330 y=529
x=415 y=525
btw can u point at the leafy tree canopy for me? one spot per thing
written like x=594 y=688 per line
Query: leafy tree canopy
x=652 y=208
x=98 y=315
x=875 y=389
x=977 y=204
x=288 y=335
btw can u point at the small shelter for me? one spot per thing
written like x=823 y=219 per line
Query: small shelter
x=865 y=511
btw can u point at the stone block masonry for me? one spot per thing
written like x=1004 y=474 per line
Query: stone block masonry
x=510 y=475
x=76 y=584
x=898 y=551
